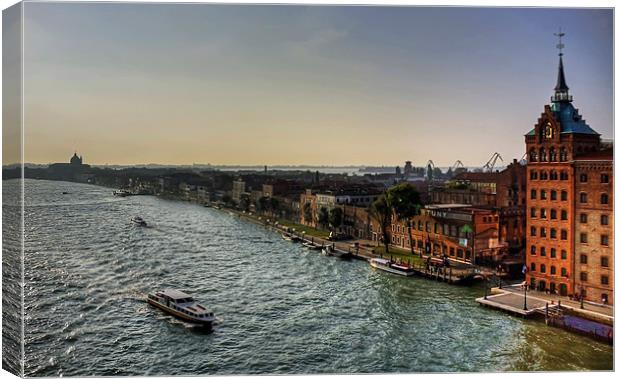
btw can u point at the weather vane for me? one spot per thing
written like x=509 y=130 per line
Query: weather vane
x=560 y=45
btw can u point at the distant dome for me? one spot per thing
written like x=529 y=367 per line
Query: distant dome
x=76 y=160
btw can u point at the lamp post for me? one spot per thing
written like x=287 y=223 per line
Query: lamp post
x=525 y=297
x=581 y=298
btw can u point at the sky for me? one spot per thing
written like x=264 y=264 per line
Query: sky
x=316 y=85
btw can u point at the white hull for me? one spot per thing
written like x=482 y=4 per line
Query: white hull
x=391 y=270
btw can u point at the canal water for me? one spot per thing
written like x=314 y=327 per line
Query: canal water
x=282 y=309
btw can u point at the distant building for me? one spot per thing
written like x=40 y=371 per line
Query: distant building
x=238 y=188
x=408 y=169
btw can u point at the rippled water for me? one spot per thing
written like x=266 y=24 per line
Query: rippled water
x=282 y=309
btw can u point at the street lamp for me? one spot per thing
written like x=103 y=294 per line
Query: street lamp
x=486 y=287
x=525 y=297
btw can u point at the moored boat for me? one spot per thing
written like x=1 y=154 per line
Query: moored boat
x=389 y=266
x=182 y=305
x=311 y=246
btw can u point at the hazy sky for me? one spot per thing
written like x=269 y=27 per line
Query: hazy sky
x=242 y=84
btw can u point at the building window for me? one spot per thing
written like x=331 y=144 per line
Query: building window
x=583 y=276
x=533 y=194
x=532 y=212
x=543 y=232
x=533 y=175
x=554 y=214
x=553 y=175
x=533 y=267
x=564 y=215
x=604 y=198
x=583 y=218
x=604 y=178
x=564 y=272
x=604 y=280
x=554 y=195
x=553 y=233
x=533 y=155
x=543 y=213
x=543 y=195
x=583 y=197
x=533 y=231
x=563 y=175
x=583 y=178
x=563 y=195
x=552 y=270
x=604 y=240
x=563 y=235
x=552 y=252
x=563 y=254
x=543 y=268
x=543 y=175
x=583 y=237
x=604 y=220
x=543 y=251
x=563 y=154
x=543 y=155
x=583 y=259
x=533 y=250
x=553 y=155
x=604 y=262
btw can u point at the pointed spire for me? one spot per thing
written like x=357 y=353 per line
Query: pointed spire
x=561 y=88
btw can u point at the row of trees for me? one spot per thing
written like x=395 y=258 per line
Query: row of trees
x=402 y=202
x=332 y=218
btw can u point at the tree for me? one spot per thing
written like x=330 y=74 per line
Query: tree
x=381 y=212
x=263 y=204
x=323 y=217
x=274 y=206
x=404 y=200
x=244 y=202
x=307 y=209
x=335 y=217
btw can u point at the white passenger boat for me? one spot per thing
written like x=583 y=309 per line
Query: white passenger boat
x=138 y=221
x=182 y=305
x=121 y=193
x=394 y=268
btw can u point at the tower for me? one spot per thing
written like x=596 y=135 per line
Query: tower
x=560 y=138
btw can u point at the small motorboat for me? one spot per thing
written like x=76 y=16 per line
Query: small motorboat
x=65 y=192
x=311 y=246
x=286 y=237
x=183 y=306
x=389 y=266
x=138 y=221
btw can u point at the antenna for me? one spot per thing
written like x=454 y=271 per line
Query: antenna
x=560 y=45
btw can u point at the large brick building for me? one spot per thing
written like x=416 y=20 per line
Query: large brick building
x=569 y=205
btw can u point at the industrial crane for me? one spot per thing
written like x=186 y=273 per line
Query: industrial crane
x=490 y=165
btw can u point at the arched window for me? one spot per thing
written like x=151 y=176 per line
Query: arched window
x=533 y=155
x=563 y=155
x=604 y=198
x=543 y=154
x=553 y=155
x=553 y=175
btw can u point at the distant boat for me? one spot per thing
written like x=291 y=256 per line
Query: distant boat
x=329 y=250
x=121 y=193
x=311 y=246
x=394 y=268
x=65 y=192
x=183 y=306
x=287 y=237
x=138 y=221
